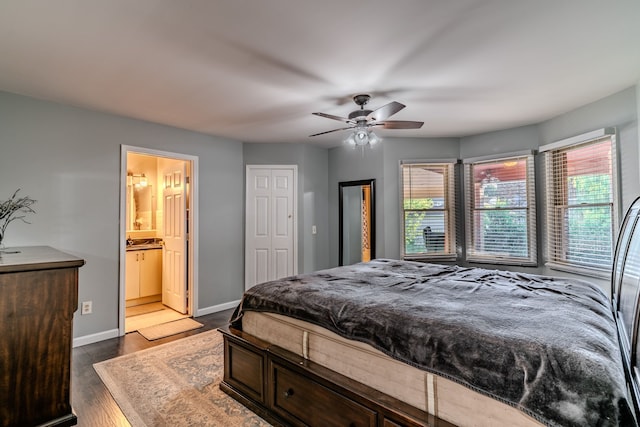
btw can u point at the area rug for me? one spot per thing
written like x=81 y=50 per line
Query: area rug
x=170 y=328
x=175 y=384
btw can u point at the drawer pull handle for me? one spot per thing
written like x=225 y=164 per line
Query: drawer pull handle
x=288 y=393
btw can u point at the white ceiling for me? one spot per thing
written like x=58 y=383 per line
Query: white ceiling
x=255 y=70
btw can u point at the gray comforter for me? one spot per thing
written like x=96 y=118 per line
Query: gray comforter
x=545 y=345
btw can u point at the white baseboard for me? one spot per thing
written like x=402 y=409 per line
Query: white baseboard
x=100 y=336
x=216 y=308
x=113 y=333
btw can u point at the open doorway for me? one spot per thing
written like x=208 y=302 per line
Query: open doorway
x=158 y=245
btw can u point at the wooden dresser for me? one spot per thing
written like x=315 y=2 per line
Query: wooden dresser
x=38 y=296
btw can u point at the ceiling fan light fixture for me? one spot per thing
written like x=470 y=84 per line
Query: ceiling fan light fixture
x=362 y=137
x=373 y=138
x=350 y=140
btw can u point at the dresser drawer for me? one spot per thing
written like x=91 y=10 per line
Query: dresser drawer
x=313 y=404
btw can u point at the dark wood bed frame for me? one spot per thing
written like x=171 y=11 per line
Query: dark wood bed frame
x=288 y=390
x=625 y=299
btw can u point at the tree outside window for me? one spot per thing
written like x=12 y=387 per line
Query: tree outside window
x=427 y=210
x=501 y=211
x=584 y=204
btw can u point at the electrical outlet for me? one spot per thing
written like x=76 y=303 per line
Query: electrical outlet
x=87 y=307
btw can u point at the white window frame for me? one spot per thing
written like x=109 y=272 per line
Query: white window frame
x=476 y=256
x=449 y=208
x=557 y=262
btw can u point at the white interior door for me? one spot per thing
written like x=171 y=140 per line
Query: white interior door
x=174 y=257
x=270 y=223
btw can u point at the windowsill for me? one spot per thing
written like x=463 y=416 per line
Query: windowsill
x=502 y=261
x=430 y=258
x=580 y=270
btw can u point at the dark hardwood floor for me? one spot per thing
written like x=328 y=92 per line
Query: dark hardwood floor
x=90 y=399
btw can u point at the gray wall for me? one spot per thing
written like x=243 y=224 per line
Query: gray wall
x=638 y=111
x=68 y=159
x=312 y=195
x=348 y=164
x=504 y=141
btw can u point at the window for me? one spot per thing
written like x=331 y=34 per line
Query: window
x=500 y=210
x=428 y=210
x=582 y=200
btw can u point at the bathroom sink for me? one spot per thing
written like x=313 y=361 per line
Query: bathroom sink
x=141 y=244
x=143 y=247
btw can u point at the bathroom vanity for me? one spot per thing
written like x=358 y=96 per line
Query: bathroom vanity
x=143 y=272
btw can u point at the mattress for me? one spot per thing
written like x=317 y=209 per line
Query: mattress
x=434 y=394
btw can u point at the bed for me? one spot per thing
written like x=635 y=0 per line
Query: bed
x=398 y=343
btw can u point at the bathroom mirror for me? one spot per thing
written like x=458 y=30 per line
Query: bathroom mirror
x=356 y=221
x=141 y=208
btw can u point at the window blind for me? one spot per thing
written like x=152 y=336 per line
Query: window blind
x=500 y=210
x=582 y=203
x=428 y=210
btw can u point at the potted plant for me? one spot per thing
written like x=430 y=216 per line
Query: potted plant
x=12 y=209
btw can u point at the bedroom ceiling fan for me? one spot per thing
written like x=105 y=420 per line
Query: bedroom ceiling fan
x=362 y=121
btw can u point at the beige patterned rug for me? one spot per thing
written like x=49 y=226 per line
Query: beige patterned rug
x=175 y=384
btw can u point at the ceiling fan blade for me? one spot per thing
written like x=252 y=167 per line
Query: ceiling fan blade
x=385 y=111
x=329 y=131
x=331 y=116
x=401 y=124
